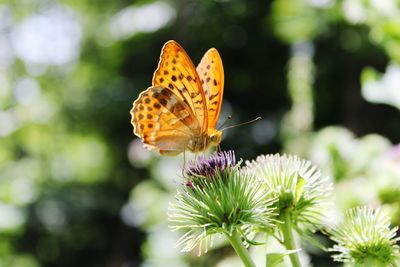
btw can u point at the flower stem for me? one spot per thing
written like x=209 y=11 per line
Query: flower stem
x=288 y=241
x=240 y=249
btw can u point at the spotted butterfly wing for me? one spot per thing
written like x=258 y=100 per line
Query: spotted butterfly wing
x=211 y=73
x=172 y=115
x=163 y=121
x=177 y=73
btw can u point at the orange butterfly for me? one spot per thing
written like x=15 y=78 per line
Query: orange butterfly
x=180 y=110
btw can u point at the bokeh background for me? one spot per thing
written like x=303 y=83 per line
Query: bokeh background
x=76 y=186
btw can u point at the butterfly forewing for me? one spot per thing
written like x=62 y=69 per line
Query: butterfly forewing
x=163 y=120
x=211 y=73
x=177 y=73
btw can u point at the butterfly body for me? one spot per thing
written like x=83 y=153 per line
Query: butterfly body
x=180 y=110
x=200 y=143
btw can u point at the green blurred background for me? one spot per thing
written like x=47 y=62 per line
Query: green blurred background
x=76 y=186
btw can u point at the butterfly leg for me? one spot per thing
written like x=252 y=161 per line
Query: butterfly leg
x=184 y=164
x=184 y=161
x=204 y=147
x=218 y=148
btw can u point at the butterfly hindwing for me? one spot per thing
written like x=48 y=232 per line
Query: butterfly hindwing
x=211 y=73
x=176 y=72
x=163 y=120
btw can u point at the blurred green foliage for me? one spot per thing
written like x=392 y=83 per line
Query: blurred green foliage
x=77 y=188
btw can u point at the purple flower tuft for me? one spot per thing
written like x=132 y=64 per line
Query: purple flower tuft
x=188 y=184
x=217 y=162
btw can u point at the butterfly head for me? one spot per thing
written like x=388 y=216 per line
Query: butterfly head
x=214 y=136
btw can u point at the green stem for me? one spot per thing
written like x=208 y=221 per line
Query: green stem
x=289 y=242
x=240 y=249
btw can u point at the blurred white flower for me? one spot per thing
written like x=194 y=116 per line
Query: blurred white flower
x=136 y=19
x=50 y=38
x=384 y=89
x=354 y=11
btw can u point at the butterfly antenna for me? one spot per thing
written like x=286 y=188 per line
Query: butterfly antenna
x=240 y=124
x=225 y=121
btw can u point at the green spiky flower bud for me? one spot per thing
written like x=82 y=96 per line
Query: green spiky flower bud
x=364 y=238
x=297 y=184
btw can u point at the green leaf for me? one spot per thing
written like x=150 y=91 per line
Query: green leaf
x=273 y=259
x=250 y=242
x=299 y=188
x=254 y=243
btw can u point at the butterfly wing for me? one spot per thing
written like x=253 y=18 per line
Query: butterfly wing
x=164 y=121
x=211 y=73
x=176 y=72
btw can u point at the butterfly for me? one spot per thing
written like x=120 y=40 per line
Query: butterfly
x=179 y=112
